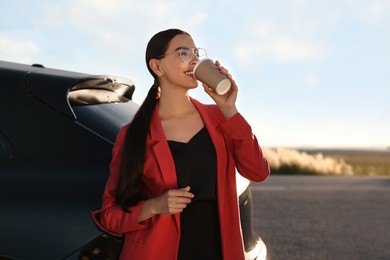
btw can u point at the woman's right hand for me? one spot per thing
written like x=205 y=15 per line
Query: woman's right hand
x=171 y=202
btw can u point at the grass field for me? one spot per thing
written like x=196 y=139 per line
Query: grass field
x=364 y=162
x=329 y=161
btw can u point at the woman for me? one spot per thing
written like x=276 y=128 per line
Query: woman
x=172 y=187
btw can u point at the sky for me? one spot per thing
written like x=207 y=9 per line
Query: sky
x=310 y=73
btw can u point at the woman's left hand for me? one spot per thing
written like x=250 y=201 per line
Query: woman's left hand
x=226 y=102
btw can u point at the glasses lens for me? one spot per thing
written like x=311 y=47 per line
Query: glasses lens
x=200 y=53
x=186 y=54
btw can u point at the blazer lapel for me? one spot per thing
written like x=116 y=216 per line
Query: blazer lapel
x=162 y=151
x=164 y=158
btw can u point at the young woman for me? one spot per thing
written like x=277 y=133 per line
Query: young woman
x=172 y=187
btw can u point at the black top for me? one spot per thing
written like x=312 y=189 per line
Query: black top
x=196 y=166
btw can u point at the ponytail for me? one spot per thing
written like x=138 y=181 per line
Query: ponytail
x=130 y=185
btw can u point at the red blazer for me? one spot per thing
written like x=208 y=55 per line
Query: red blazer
x=158 y=237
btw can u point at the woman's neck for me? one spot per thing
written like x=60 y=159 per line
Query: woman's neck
x=175 y=104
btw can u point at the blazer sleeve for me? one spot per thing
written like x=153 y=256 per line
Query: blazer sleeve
x=249 y=158
x=112 y=216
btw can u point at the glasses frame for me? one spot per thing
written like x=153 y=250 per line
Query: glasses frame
x=184 y=59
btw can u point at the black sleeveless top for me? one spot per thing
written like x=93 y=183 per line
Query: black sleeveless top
x=196 y=166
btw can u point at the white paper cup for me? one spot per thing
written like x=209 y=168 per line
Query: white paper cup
x=206 y=72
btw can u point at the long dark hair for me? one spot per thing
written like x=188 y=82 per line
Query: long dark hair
x=130 y=185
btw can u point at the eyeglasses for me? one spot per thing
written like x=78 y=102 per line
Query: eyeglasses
x=186 y=54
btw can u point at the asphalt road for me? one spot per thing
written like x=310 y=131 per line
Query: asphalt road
x=323 y=217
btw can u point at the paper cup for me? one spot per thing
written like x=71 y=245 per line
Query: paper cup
x=206 y=72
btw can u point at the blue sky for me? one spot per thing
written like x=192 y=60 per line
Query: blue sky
x=310 y=73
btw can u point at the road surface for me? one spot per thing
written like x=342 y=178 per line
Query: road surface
x=323 y=217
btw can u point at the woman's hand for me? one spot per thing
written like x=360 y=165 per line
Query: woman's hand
x=226 y=102
x=171 y=202
x=174 y=201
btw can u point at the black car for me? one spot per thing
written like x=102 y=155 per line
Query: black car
x=57 y=129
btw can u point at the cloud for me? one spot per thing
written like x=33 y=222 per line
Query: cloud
x=11 y=47
x=376 y=9
x=277 y=49
x=374 y=13
x=118 y=26
x=377 y=13
x=268 y=42
x=131 y=18
x=285 y=49
x=311 y=80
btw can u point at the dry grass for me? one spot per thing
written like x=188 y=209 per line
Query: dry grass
x=290 y=161
x=367 y=164
x=328 y=162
